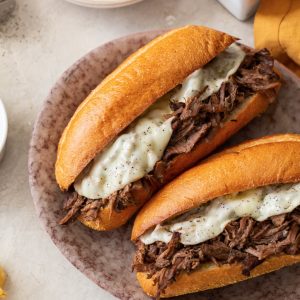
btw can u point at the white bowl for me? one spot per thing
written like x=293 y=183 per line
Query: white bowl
x=104 y=3
x=3 y=129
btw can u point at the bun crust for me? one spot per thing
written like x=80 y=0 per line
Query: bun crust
x=159 y=66
x=211 y=276
x=109 y=219
x=270 y=160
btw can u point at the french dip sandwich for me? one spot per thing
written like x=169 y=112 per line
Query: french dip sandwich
x=233 y=217
x=165 y=107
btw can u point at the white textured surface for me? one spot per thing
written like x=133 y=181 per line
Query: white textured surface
x=41 y=40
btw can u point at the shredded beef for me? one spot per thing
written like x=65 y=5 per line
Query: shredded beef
x=77 y=204
x=256 y=72
x=123 y=198
x=91 y=208
x=278 y=220
x=73 y=205
x=192 y=122
x=244 y=241
x=119 y=200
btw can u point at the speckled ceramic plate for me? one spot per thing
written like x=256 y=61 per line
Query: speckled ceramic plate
x=105 y=257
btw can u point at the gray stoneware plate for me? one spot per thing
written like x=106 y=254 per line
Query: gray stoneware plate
x=105 y=257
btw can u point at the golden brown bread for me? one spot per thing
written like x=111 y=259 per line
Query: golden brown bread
x=211 y=276
x=109 y=219
x=160 y=66
x=270 y=160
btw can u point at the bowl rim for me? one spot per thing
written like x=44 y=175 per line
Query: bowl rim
x=103 y=3
x=3 y=127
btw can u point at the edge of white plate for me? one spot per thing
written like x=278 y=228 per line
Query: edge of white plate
x=103 y=4
x=3 y=129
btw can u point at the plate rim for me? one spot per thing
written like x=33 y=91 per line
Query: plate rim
x=43 y=107
x=4 y=127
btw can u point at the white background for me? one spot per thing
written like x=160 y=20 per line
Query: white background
x=41 y=40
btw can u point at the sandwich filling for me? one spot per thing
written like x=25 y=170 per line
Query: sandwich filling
x=141 y=155
x=244 y=228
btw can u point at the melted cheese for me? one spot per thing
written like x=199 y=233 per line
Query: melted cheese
x=131 y=156
x=211 y=75
x=134 y=153
x=208 y=221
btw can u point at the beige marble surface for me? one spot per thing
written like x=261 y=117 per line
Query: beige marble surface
x=37 y=44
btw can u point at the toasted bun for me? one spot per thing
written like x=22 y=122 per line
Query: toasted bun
x=109 y=219
x=270 y=160
x=211 y=276
x=159 y=67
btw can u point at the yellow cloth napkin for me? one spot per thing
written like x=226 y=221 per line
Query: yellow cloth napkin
x=2 y=280
x=277 y=27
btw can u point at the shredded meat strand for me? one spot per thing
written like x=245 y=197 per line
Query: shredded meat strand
x=73 y=205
